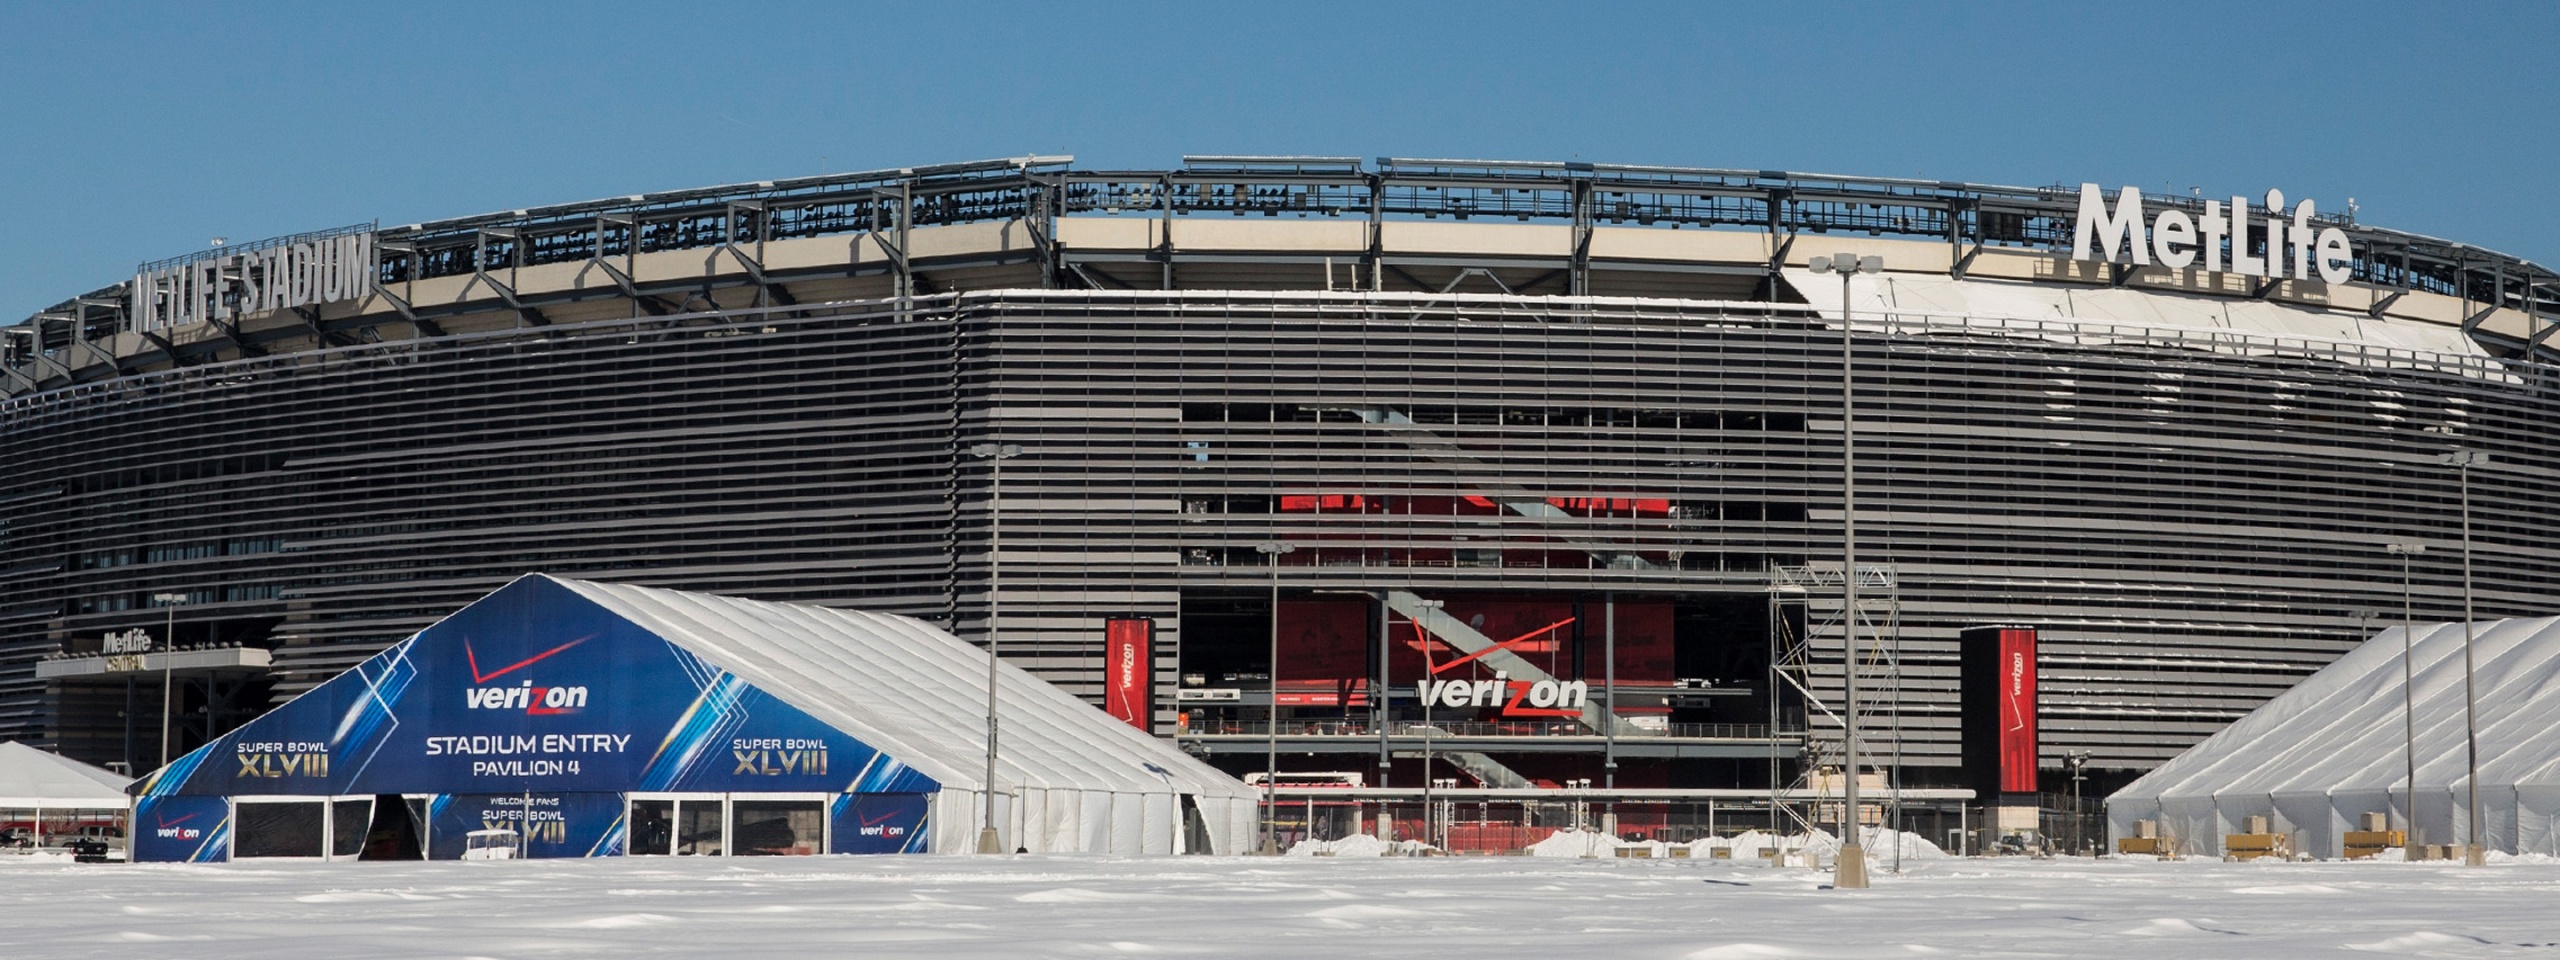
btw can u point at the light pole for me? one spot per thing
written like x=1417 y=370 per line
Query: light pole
x=2477 y=855
x=168 y=663
x=2077 y=760
x=1428 y=811
x=995 y=454
x=1851 y=871
x=1273 y=550
x=2408 y=700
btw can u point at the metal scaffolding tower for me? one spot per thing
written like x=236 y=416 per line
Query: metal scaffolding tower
x=1796 y=595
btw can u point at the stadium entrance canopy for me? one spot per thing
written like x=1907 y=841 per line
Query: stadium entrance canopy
x=2331 y=749
x=601 y=719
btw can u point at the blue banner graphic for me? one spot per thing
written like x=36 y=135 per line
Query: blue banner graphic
x=534 y=688
x=879 y=823
x=552 y=824
x=181 y=830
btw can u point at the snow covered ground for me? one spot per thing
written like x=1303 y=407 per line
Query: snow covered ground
x=1334 y=908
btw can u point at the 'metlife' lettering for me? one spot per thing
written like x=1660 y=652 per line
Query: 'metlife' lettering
x=2294 y=251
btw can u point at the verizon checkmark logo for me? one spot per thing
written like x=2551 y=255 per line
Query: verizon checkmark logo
x=473 y=658
x=526 y=696
x=177 y=829
x=877 y=826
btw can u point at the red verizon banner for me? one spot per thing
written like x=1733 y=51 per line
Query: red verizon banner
x=2017 y=711
x=1127 y=649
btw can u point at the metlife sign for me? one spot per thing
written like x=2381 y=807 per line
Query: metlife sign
x=2268 y=241
x=256 y=278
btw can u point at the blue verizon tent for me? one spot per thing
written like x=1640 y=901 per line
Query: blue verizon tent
x=601 y=719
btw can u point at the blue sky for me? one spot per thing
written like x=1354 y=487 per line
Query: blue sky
x=133 y=132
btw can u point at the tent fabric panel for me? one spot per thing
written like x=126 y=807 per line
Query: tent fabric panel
x=847 y=666
x=1160 y=816
x=1128 y=824
x=33 y=777
x=2338 y=745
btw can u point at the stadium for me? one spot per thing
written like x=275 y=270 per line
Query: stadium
x=1553 y=449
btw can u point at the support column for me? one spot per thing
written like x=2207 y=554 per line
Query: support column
x=1609 y=689
x=1379 y=716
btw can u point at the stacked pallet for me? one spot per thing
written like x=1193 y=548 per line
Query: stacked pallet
x=2372 y=839
x=2363 y=844
x=2146 y=839
x=2256 y=841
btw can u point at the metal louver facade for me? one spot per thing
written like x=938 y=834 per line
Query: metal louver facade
x=2193 y=525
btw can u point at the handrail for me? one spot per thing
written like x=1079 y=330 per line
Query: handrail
x=1476 y=729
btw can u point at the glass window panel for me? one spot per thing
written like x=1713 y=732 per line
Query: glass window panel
x=653 y=827
x=765 y=828
x=279 y=829
x=698 y=828
x=348 y=821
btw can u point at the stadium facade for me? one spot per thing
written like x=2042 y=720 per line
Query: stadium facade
x=1576 y=425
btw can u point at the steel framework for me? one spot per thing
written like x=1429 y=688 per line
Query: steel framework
x=736 y=221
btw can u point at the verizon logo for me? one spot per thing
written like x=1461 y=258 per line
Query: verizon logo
x=528 y=698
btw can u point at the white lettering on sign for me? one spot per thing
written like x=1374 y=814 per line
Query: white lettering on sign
x=1542 y=698
x=526 y=697
x=286 y=273
x=504 y=745
x=130 y=641
x=2294 y=250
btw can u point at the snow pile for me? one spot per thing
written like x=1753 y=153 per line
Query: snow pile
x=1576 y=844
x=1360 y=845
x=2501 y=856
x=1747 y=845
x=1880 y=842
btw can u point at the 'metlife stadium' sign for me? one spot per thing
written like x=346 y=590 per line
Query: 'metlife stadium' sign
x=2293 y=250
x=270 y=275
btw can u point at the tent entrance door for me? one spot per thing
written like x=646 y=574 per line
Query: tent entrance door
x=395 y=833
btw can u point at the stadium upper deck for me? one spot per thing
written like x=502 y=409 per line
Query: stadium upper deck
x=1250 y=223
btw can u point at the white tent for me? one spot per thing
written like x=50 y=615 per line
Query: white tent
x=44 y=783
x=1070 y=778
x=2332 y=748
x=32 y=778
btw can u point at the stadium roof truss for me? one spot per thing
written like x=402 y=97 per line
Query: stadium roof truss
x=737 y=220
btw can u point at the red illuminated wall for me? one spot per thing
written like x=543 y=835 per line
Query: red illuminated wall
x=1128 y=646
x=1324 y=652
x=1996 y=667
x=1324 y=655
x=2017 y=711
